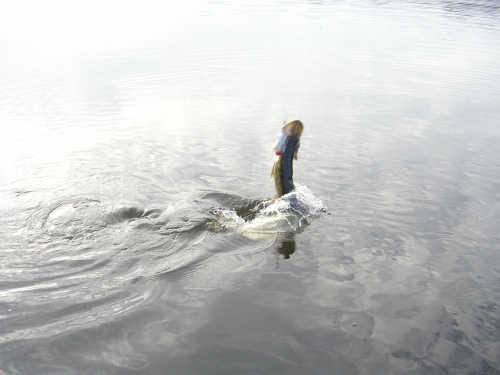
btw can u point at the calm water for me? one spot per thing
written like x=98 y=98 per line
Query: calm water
x=134 y=133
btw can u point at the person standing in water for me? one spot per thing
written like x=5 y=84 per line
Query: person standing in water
x=286 y=148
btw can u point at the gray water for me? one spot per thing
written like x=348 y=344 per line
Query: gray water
x=135 y=135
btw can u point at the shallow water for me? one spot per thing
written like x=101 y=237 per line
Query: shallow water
x=136 y=136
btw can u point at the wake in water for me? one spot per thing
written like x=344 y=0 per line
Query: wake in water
x=195 y=232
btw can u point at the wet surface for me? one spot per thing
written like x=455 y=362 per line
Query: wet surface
x=136 y=143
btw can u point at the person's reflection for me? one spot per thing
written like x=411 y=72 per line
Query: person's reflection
x=286 y=246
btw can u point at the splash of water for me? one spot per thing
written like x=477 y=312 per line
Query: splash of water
x=286 y=214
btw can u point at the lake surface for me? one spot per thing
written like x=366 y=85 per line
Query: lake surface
x=134 y=135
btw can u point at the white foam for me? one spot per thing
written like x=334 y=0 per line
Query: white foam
x=285 y=214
